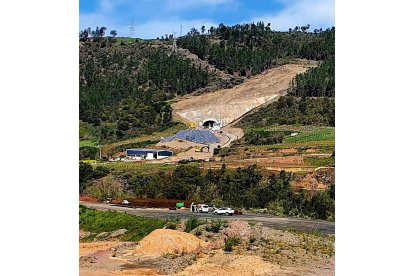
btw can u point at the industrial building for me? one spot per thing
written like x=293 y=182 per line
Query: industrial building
x=147 y=154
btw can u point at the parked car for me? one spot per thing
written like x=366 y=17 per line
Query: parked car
x=202 y=208
x=224 y=211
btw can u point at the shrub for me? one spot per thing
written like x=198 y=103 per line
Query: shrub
x=218 y=202
x=171 y=225
x=192 y=223
x=276 y=208
x=215 y=226
x=230 y=242
x=252 y=239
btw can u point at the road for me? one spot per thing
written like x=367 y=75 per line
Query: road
x=267 y=220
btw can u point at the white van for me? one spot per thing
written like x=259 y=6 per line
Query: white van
x=202 y=208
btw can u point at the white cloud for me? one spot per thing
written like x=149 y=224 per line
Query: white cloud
x=186 y=4
x=317 y=13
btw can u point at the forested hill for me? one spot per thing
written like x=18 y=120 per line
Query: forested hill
x=250 y=49
x=125 y=84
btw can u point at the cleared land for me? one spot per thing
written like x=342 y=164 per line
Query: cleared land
x=206 y=250
x=226 y=105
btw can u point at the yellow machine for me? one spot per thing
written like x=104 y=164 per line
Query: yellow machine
x=191 y=125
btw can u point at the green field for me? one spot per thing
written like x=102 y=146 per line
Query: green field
x=154 y=137
x=87 y=143
x=99 y=221
x=320 y=162
x=322 y=138
x=137 y=167
x=317 y=134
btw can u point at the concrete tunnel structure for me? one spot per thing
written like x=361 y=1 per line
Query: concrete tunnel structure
x=210 y=123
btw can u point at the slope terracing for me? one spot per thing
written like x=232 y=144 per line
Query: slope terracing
x=226 y=105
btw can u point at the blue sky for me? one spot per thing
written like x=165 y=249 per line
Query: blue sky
x=153 y=18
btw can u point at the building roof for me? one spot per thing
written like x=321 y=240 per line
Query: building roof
x=154 y=150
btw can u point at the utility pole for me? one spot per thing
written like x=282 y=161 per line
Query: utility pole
x=174 y=46
x=132 y=29
x=100 y=152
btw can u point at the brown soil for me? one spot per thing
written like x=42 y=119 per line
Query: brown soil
x=229 y=104
x=86 y=248
x=154 y=203
x=230 y=264
x=319 y=180
x=86 y=198
x=179 y=144
x=262 y=251
x=166 y=241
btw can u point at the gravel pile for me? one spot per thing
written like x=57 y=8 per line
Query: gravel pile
x=197 y=136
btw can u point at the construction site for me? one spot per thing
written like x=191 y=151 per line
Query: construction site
x=210 y=120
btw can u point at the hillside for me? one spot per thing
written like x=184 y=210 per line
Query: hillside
x=229 y=104
x=126 y=84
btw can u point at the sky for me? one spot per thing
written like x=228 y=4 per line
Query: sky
x=154 y=18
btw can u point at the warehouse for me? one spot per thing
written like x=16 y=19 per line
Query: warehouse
x=147 y=154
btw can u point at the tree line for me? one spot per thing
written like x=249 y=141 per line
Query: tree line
x=290 y=110
x=125 y=88
x=317 y=82
x=249 y=49
x=243 y=187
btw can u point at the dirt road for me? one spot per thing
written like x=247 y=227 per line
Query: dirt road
x=266 y=220
x=226 y=105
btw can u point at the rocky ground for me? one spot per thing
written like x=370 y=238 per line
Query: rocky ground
x=256 y=250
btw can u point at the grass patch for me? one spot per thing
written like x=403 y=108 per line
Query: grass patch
x=230 y=242
x=327 y=146
x=192 y=223
x=321 y=138
x=318 y=134
x=153 y=137
x=216 y=225
x=138 y=167
x=319 y=162
x=87 y=143
x=104 y=221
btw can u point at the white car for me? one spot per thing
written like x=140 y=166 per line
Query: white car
x=202 y=208
x=224 y=211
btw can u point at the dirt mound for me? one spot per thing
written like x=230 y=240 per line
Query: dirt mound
x=230 y=264
x=163 y=241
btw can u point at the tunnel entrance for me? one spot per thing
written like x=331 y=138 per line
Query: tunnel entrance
x=209 y=124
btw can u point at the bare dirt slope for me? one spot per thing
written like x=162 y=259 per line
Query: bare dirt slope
x=226 y=105
x=260 y=251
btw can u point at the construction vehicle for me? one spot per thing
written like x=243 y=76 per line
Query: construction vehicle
x=191 y=125
x=202 y=149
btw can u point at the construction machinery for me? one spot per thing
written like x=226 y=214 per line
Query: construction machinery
x=191 y=125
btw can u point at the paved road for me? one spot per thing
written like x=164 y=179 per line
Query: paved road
x=266 y=220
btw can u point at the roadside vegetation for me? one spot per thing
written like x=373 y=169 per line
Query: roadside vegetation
x=105 y=221
x=241 y=188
